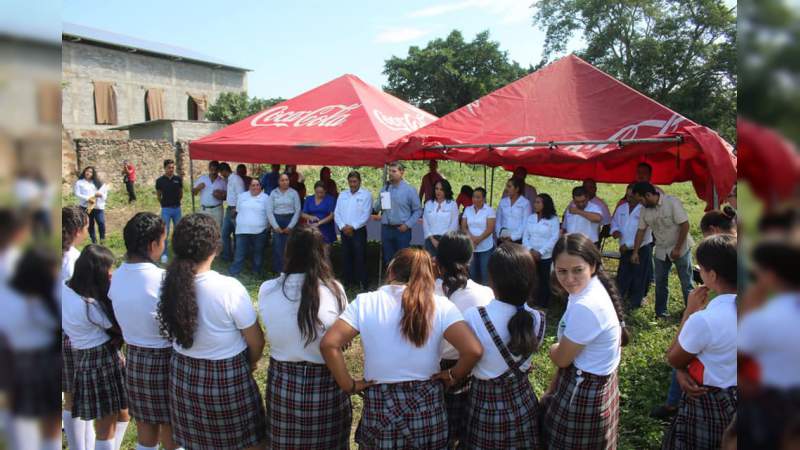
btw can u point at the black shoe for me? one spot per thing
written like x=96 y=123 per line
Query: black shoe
x=663 y=412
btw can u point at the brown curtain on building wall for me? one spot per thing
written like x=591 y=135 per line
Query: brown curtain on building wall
x=154 y=100
x=201 y=100
x=105 y=103
x=48 y=103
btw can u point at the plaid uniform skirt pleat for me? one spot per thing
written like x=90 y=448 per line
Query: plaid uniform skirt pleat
x=67 y=364
x=455 y=399
x=215 y=404
x=701 y=421
x=502 y=414
x=306 y=409
x=762 y=418
x=99 y=388
x=408 y=415
x=35 y=385
x=582 y=416
x=147 y=378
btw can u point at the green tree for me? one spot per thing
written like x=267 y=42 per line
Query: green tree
x=232 y=107
x=681 y=53
x=450 y=73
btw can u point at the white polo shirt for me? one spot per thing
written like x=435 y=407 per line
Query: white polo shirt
x=135 y=292
x=711 y=335
x=207 y=194
x=68 y=263
x=85 y=189
x=353 y=209
x=235 y=187
x=251 y=213
x=84 y=331
x=512 y=217
x=477 y=223
x=439 y=218
x=626 y=221
x=541 y=235
x=574 y=223
x=26 y=322
x=470 y=296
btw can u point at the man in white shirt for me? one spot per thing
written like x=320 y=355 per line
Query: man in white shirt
x=530 y=194
x=353 y=208
x=591 y=191
x=212 y=189
x=234 y=188
x=632 y=279
x=582 y=216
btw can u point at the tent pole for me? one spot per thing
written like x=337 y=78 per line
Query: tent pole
x=491 y=191
x=191 y=179
x=380 y=210
x=484 y=176
x=715 y=196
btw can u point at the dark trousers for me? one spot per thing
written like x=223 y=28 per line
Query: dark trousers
x=228 y=229
x=632 y=279
x=354 y=255
x=279 y=242
x=131 y=191
x=543 y=286
x=97 y=216
x=246 y=243
x=392 y=241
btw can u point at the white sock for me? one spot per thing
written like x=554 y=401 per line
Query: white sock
x=88 y=433
x=142 y=447
x=104 y=445
x=75 y=431
x=27 y=432
x=119 y=435
x=52 y=444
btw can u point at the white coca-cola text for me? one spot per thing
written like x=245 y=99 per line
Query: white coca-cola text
x=407 y=122
x=326 y=116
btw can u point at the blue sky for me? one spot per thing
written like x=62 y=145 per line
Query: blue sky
x=294 y=46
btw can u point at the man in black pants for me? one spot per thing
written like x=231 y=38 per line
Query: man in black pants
x=129 y=177
x=353 y=209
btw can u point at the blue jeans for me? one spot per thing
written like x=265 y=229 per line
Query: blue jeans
x=97 y=216
x=279 y=242
x=392 y=241
x=674 y=393
x=170 y=214
x=228 y=228
x=633 y=279
x=245 y=243
x=543 y=283
x=354 y=254
x=479 y=266
x=684 y=267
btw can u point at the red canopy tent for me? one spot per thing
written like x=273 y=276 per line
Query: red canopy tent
x=344 y=122
x=770 y=163
x=571 y=120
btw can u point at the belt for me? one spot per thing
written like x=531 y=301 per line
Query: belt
x=209 y=207
x=395 y=226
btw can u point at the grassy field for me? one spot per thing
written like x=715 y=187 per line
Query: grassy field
x=644 y=374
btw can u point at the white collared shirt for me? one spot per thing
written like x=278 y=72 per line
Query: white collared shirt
x=135 y=292
x=282 y=203
x=604 y=210
x=235 y=186
x=68 y=263
x=251 y=213
x=711 y=335
x=626 y=221
x=85 y=189
x=207 y=194
x=477 y=221
x=541 y=235
x=353 y=208
x=85 y=325
x=472 y=295
x=512 y=217
x=574 y=223
x=439 y=218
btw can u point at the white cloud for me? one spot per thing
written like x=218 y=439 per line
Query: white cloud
x=510 y=11
x=438 y=10
x=399 y=35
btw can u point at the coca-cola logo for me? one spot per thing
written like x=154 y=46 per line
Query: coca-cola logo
x=326 y=116
x=407 y=122
x=631 y=131
x=520 y=140
x=473 y=107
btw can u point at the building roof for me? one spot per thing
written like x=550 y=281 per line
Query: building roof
x=150 y=123
x=79 y=33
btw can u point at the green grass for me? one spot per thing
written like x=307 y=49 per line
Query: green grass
x=644 y=374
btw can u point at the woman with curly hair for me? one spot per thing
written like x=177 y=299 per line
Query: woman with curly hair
x=217 y=342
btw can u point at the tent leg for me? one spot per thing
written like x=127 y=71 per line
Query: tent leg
x=191 y=180
x=484 y=176
x=380 y=247
x=491 y=191
x=715 y=197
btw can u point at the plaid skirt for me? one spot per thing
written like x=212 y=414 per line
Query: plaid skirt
x=408 y=415
x=67 y=365
x=35 y=385
x=701 y=421
x=582 y=415
x=306 y=409
x=455 y=399
x=99 y=388
x=762 y=419
x=147 y=377
x=215 y=404
x=502 y=414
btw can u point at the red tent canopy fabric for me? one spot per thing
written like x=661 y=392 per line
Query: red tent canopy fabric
x=344 y=122
x=770 y=163
x=571 y=100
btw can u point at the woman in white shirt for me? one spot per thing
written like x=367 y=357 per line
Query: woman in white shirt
x=402 y=327
x=512 y=212
x=92 y=195
x=704 y=351
x=88 y=318
x=478 y=223
x=502 y=407
x=439 y=216
x=583 y=399
x=297 y=308
x=542 y=230
x=251 y=227
x=283 y=211
x=134 y=294
x=217 y=343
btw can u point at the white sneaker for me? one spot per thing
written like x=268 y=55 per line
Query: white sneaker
x=163 y=259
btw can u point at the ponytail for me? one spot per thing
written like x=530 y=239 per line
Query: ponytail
x=613 y=293
x=414 y=267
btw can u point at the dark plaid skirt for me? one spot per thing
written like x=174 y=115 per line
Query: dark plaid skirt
x=67 y=364
x=409 y=415
x=502 y=414
x=35 y=384
x=147 y=377
x=701 y=421
x=455 y=399
x=306 y=409
x=215 y=404
x=99 y=388
x=762 y=419
x=586 y=417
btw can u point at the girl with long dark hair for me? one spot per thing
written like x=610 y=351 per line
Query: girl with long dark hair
x=217 y=343
x=297 y=308
x=88 y=318
x=92 y=194
x=583 y=405
x=440 y=215
x=541 y=233
x=402 y=327
x=512 y=212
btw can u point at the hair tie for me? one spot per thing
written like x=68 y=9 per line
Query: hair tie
x=521 y=307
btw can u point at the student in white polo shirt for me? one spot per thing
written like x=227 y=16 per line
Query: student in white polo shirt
x=704 y=351
x=582 y=217
x=478 y=222
x=212 y=191
x=439 y=216
x=512 y=212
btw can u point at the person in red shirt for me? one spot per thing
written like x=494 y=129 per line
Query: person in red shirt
x=464 y=199
x=428 y=181
x=129 y=177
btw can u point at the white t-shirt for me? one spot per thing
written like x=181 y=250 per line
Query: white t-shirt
x=207 y=194
x=235 y=187
x=84 y=332
x=711 y=335
x=574 y=223
x=591 y=320
x=134 y=294
x=512 y=217
x=251 y=213
x=388 y=356
x=541 y=235
x=8 y=263
x=85 y=190
x=223 y=309
x=476 y=223
x=770 y=335
x=492 y=364
x=68 y=263
x=439 y=218
x=25 y=322
x=470 y=296
x=279 y=314
x=626 y=221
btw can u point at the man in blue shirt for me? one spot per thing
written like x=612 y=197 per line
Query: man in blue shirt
x=401 y=209
x=269 y=181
